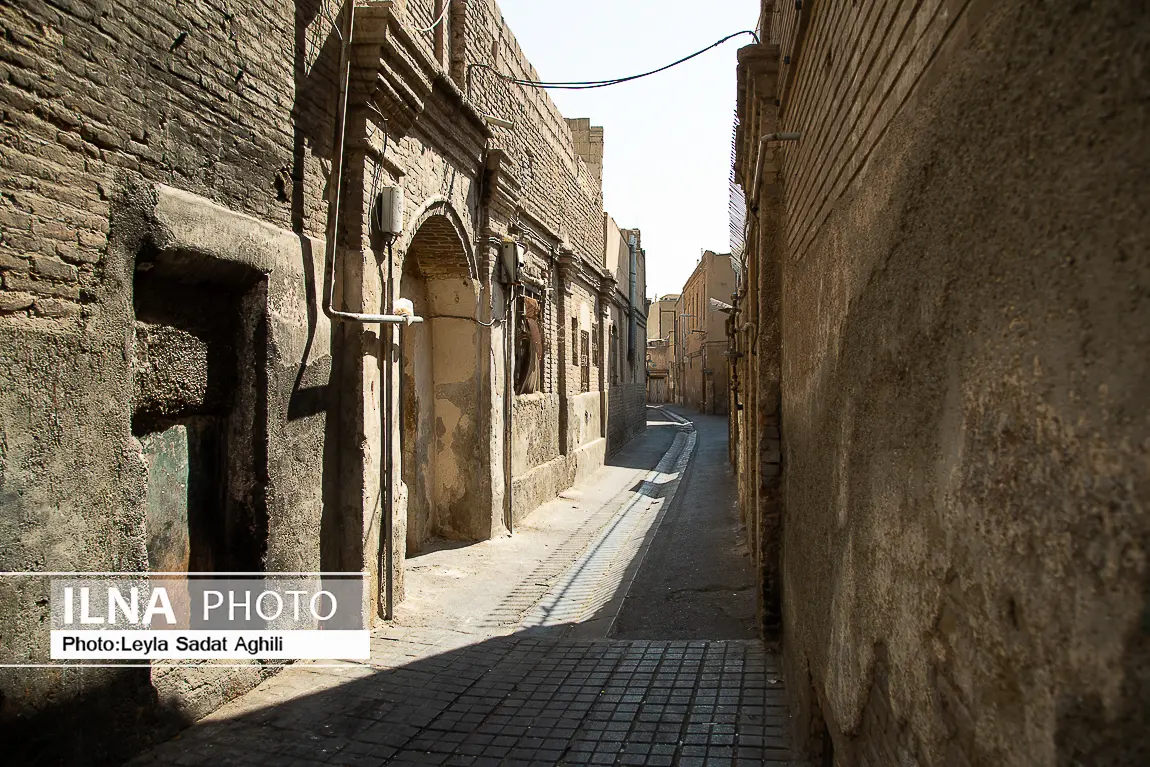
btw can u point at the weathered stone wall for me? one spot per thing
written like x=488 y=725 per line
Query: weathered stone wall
x=536 y=431
x=197 y=138
x=99 y=101
x=170 y=92
x=559 y=191
x=626 y=346
x=961 y=317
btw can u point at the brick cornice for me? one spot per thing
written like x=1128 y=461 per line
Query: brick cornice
x=393 y=74
x=757 y=89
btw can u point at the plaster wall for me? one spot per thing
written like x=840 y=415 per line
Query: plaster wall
x=962 y=330
x=271 y=267
x=536 y=431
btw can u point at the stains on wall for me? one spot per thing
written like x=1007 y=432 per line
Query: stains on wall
x=961 y=315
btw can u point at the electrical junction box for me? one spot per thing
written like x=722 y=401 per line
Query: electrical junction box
x=387 y=213
x=514 y=258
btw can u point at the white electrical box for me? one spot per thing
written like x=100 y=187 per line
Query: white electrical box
x=389 y=211
x=514 y=258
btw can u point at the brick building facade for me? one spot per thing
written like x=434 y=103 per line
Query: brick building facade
x=171 y=240
x=703 y=375
x=661 y=347
x=942 y=323
x=626 y=334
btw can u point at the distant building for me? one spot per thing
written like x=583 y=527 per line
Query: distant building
x=625 y=301
x=661 y=349
x=661 y=317
x=702 y=344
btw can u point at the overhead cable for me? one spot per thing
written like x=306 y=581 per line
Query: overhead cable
x=442 y=16
x=576 y=85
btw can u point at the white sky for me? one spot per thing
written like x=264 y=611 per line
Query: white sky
x=667 y=138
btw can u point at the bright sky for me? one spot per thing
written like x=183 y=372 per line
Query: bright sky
x=667 y=137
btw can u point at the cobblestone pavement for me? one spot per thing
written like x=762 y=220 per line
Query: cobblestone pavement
x=541 y=693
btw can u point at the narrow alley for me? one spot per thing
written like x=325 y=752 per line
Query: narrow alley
x=506 y=382
x=589 y=637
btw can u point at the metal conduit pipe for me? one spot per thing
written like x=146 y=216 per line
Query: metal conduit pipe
x=759 y=159
x=336 y=186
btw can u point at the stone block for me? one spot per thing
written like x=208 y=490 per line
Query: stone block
x=69 y=252
x=54 y=268
x=55 y=307
x=9 y=261
x=14 y=302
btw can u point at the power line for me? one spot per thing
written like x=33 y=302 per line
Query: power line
x=438 y=21
x=588 y=84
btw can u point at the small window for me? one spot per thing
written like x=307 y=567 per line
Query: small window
x=528 y=347
x=595 y=342
x=585 y=364
x=614 y=351
x=574 y=341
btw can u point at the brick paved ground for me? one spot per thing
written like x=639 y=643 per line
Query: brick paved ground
x=535 y=696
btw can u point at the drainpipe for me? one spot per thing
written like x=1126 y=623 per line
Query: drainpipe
x=336 y=185
x=388 y=447
x=385 y=559
x=508 y=396
x=631 y=297
x=767 y=138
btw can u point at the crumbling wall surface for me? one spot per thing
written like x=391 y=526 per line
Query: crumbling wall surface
x=80 y=500
x=535 y=431
x=71 y=499
x=538 y=470
x=965 y=385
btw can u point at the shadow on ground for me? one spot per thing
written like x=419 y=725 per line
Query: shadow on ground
x=524 y=699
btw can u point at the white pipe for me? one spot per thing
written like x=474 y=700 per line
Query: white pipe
x=395 y=319
x=336 y=187
x=759 y=159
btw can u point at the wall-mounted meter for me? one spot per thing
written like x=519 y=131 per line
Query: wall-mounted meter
x=514 y=258
x=387 y=212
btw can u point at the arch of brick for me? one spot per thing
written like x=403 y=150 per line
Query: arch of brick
x=439 y=242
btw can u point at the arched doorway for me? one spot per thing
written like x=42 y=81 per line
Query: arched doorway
x=444 y=417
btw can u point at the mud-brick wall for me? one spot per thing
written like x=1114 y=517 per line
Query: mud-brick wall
x=965 y=322
x=626 y=413
x=98 y=102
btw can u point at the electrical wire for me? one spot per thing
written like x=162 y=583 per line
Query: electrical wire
x=438 y=21
x=576 y=85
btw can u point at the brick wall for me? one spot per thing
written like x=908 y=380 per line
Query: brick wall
x=941 y=426
x=626 y=414
x=558 y=187
x=198 y=95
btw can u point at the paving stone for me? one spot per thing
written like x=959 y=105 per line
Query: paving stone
x=539 y=695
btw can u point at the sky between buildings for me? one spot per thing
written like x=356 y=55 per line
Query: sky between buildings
x=667 y=137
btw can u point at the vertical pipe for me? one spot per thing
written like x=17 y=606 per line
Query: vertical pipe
x=508 y=395
x=603 y=312
x=336 y=181
x=388 y=449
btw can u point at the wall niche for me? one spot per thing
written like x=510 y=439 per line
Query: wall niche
x=200 y=412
